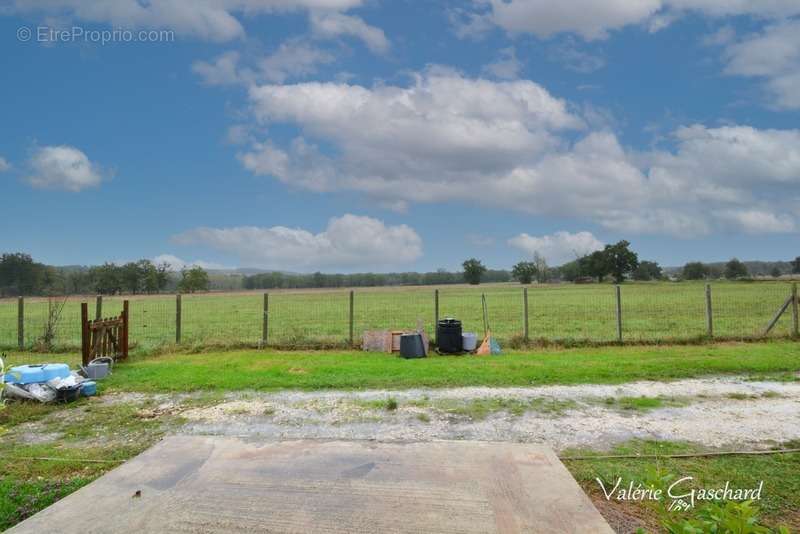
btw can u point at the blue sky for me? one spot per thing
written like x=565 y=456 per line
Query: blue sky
x=350 y=135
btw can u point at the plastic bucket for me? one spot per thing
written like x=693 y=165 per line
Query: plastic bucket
x=411 y=346
x=469 y=340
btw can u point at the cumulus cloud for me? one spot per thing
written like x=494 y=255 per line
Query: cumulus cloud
x=332 y=24
x=559 y=247
x=63 y=167
x=293 y=59
x=513 y=145
x=349 y=241
x=4 y=165
x=594 y=19
x=177 y=264
x=507 y=66
x=772 y=55
x=214 y=20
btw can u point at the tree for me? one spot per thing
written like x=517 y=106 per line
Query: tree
x=541 y=268
x=775 y=272
x=796 y=265
x=695 y=270
x=648 y=270
x=106 y=279
x=525 y=271
x=194 y=279
x=473 y=271
x=131 y=275
x=735 y=269
x=20 y=275
x=595 y=265
x=620 y=260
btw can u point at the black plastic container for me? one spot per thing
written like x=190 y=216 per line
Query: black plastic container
x=448 y=336
x=68 y=394
x=411 y=346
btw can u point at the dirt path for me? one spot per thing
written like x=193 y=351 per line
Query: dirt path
x=717 y=412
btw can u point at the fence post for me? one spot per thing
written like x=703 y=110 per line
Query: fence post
x=178 y=319
x=795 y=315
x=98 y=307
x=351 y=317
x=435 y=315
x=619 y=313
x=125 y=325
x=525 y=312
x=265 y=321
x=85 y=333
x=21 y=323
x=709 y=313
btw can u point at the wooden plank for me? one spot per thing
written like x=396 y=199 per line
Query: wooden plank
x=85 y=333
x=98 y=307
x=775 y=319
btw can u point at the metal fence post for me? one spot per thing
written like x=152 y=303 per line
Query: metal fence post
x=525 y=312
x=85 y=333
x=178 y=313
x=98 y=307
x=619 y=313
x=709 y=312
x=265 y=322
x=21 y=323
x=795 y=315
x=351 y=317
x=435 y=314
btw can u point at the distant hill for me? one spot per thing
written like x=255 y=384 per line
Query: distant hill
x=754 y=267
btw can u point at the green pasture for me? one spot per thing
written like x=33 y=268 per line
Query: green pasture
x=663 y=311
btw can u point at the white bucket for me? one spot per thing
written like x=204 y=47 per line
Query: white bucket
x=469 y=341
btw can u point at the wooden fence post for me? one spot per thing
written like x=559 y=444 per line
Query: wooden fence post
x=435 y=315
x=352 y=299
x=265 y=322
x=178 y=313
x=619 y=313
x=709 y=313
x=525 y=312
x=85 y=333
x=125 y=330
x=795 y=314
x=98 y=307
x=21 y=323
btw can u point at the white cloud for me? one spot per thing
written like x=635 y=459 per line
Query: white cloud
x=294 y=58
x=571 y=57
x=177 y=264
x=332 y=24
x=214 y=20
x=447 y=138
x=4 y=165
x=63 y=167
x=349 y=241
x=559 y=247
x=507 y=66
x=774 y=56
x=754 y=221
x=594 y=19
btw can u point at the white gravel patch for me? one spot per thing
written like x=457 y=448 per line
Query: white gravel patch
x=561 y=417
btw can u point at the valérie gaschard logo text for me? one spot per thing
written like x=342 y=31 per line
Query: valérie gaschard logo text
x=681 y=494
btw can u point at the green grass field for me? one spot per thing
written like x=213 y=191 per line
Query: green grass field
x=651 y=312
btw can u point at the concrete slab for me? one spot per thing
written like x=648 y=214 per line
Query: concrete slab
x=218 y=484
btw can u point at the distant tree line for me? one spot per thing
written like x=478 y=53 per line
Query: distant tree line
x=21 y=275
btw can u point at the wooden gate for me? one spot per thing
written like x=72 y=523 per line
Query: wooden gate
x=104 y=337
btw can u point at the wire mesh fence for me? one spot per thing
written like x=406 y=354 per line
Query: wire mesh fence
x=591 y=313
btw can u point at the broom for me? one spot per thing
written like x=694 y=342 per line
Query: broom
x=490 y=344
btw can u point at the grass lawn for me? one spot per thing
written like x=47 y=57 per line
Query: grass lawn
x=557 y=312
x=266 y=370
